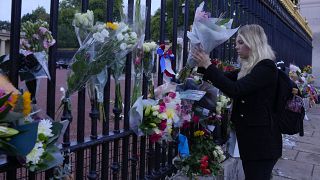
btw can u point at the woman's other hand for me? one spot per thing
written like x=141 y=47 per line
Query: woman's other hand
x=201 y=58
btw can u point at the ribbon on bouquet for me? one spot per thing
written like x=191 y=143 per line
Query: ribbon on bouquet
x=166 y=58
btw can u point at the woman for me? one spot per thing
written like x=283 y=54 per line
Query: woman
x=253 y=90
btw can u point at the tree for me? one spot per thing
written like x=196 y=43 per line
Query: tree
x=5 y=25
x=155 y=20
x=39 y=13
x=66 y=34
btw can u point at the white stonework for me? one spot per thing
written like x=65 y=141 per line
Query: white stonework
x=311 y=10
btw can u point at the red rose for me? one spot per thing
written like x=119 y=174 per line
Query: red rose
x=196 y=119
x=204 y=165
x=162 y=46
x=205 y=171
x=204 y=158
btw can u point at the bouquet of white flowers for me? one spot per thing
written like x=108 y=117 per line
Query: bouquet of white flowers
x=83 y=24
x=207 y=33
x=108 y=43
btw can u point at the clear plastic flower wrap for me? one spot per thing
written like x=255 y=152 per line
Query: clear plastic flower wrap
x=102 y=48
x=207 y=33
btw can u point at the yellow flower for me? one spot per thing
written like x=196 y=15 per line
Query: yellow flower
x=198 y=133
x=112 y=26
x=26 y=103
x=170 y=113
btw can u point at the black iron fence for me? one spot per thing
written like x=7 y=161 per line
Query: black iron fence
x=116 y=152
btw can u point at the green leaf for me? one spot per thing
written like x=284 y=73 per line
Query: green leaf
x=223 y=21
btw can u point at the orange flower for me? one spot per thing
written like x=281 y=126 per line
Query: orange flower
x=12 y=100
x=26 y=103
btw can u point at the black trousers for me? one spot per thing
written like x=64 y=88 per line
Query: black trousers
x=258 y=169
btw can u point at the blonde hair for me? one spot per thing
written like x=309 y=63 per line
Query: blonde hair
x=255 y=38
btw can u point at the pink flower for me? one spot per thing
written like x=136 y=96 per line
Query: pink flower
x=218 y=117
x=166 y=99
x=52 y=42
x=186 y=117
x=43 y=30
x=45 y=44
x=172 y=95
x=137 y=61
x=162 y=109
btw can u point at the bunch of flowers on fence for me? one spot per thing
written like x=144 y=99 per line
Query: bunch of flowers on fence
x=83 y=24
x=157 y=118
x=105 y=47
x=33 y=141
x=305 y=81
x=37 y=37
x=204 y=159
x=139 y=27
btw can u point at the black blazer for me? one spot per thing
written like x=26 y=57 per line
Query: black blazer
x=253 y=100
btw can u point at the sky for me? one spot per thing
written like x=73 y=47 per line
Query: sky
x=29 y=5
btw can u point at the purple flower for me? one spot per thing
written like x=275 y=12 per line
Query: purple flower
x=43 y=30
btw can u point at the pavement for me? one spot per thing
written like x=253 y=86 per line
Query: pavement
x=301 y=155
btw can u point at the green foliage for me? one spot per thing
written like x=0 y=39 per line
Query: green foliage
x=5 y=25
x=37 y=14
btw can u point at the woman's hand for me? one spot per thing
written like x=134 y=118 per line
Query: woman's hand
x=201 y=58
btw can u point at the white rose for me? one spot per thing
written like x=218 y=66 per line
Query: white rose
x=133 y=35
x=125 y=28
x=126 y=37
x=85 y=22
x=90 y=15
x=123 y=46
x=155 y=113
x=120 y=37
x=146 y=48
x=105 y=33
